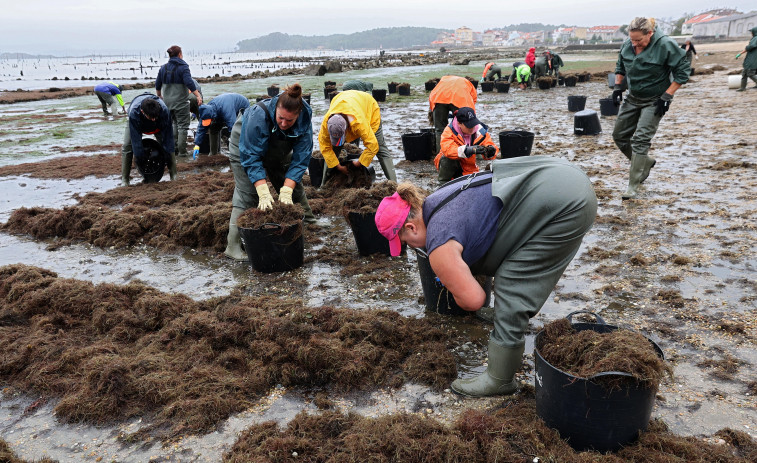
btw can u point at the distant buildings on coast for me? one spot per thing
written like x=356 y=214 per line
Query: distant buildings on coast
x=717 y=24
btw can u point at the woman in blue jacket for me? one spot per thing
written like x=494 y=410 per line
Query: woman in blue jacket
x=274 y=139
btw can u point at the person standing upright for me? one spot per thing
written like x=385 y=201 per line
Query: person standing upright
x=750 y=62
x=648 y=58
x=173 y=82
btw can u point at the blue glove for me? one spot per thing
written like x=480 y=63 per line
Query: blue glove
x=195 y=152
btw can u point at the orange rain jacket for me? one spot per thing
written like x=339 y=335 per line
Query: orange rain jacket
x=453 y=90
x=452 y=140
x=367 y=119
x=486 y=69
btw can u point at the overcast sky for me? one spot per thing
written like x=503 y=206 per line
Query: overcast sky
x=86 y=26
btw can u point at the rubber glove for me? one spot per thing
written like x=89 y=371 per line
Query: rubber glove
x=195 y=152
x=663 y=104
x=617 y=95
x=285 y=195
x=265 y=200
x=696 y=57
x=738 y=56
x=490 y=151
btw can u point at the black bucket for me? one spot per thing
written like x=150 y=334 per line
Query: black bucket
x=544 y=84
x=379 y=94
x=588 y=415
x=430 y=85
x=576 y=103
x=273 y=90
x=611 y=81
x=561 y=80
x=438 y=299
x=403 y=90
x=515 y=143
x=418 y=146
x=570 y=81
x=273 y=248
x=474 y=83
x=392 y=87
x=586 y=122
x=329 y=83
x=367 y=237
x=306 y=97
x=315 y=170
x=152 y=165
x=332 y=94
x=502 y=86
x=607 y=107
x=581 y=77
x=487 y=86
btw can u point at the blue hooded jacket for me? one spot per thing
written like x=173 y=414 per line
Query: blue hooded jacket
x=138 y=125
x=222 y=110
x=256 y=131
x=175 y=71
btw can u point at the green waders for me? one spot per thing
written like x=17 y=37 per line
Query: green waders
x=176 y=97
x=549 y=205
x=276 y=163
x=494 y=70
x=384 y=157
x=449 y=169
x=214 y=138
x=127 y=157
x=106 y=99
x=747 y=74
x=635 y=126
x=441 y=121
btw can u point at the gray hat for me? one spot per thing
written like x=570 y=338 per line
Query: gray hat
x=337 y=127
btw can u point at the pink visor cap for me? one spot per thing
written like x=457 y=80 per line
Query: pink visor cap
x=390 y=216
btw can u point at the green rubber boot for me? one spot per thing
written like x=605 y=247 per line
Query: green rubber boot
x=126 y=168
x=233 y=242
x=172 y=167
x=639 y=171
x=499 y=377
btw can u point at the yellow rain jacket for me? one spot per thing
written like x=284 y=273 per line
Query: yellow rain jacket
x=364 y=116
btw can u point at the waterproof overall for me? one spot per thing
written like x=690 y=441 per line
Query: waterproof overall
x=276 y=163
x=176 y=97
x=106 y=99
x=636 y=125
x=493 y=70
x=548 y=207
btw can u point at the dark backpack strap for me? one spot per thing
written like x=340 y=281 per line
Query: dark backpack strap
x=469 y=183
x=268 y=119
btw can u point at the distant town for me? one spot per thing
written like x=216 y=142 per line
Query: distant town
x=712 y=24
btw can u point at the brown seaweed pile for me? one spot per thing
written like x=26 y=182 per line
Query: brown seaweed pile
x=192 y=212
x=356 y=177
x=99 y=165
x=366 y=201
x=281 y=214
x=587 y=352
x=513 y=433
x=110 y=353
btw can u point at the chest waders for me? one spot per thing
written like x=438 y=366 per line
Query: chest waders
x=548 y=207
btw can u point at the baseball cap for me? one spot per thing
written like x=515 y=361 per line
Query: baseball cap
x=467 y=117
x=337 y=127
x=390 y=216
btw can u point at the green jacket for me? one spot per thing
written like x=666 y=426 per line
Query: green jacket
x=556 y=60
x=649 y=72
x=750 y=62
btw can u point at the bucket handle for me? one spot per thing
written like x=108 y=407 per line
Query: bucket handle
x=270 y=226
x=609 y=373
x=600 y=320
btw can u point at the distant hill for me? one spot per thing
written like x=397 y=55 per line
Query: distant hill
x=8 y=55
x=386 y=37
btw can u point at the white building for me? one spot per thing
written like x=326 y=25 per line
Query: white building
x=734 y=26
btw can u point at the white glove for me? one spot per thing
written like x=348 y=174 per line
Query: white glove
x=696 y=56
x=285 y=195
x=265 y=200
x=461 y=152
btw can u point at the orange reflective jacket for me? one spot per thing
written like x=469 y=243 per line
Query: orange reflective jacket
x=452 y=140
x=453 y=90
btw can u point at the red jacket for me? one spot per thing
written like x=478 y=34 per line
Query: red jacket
x=452 y=140
x=531 y=57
